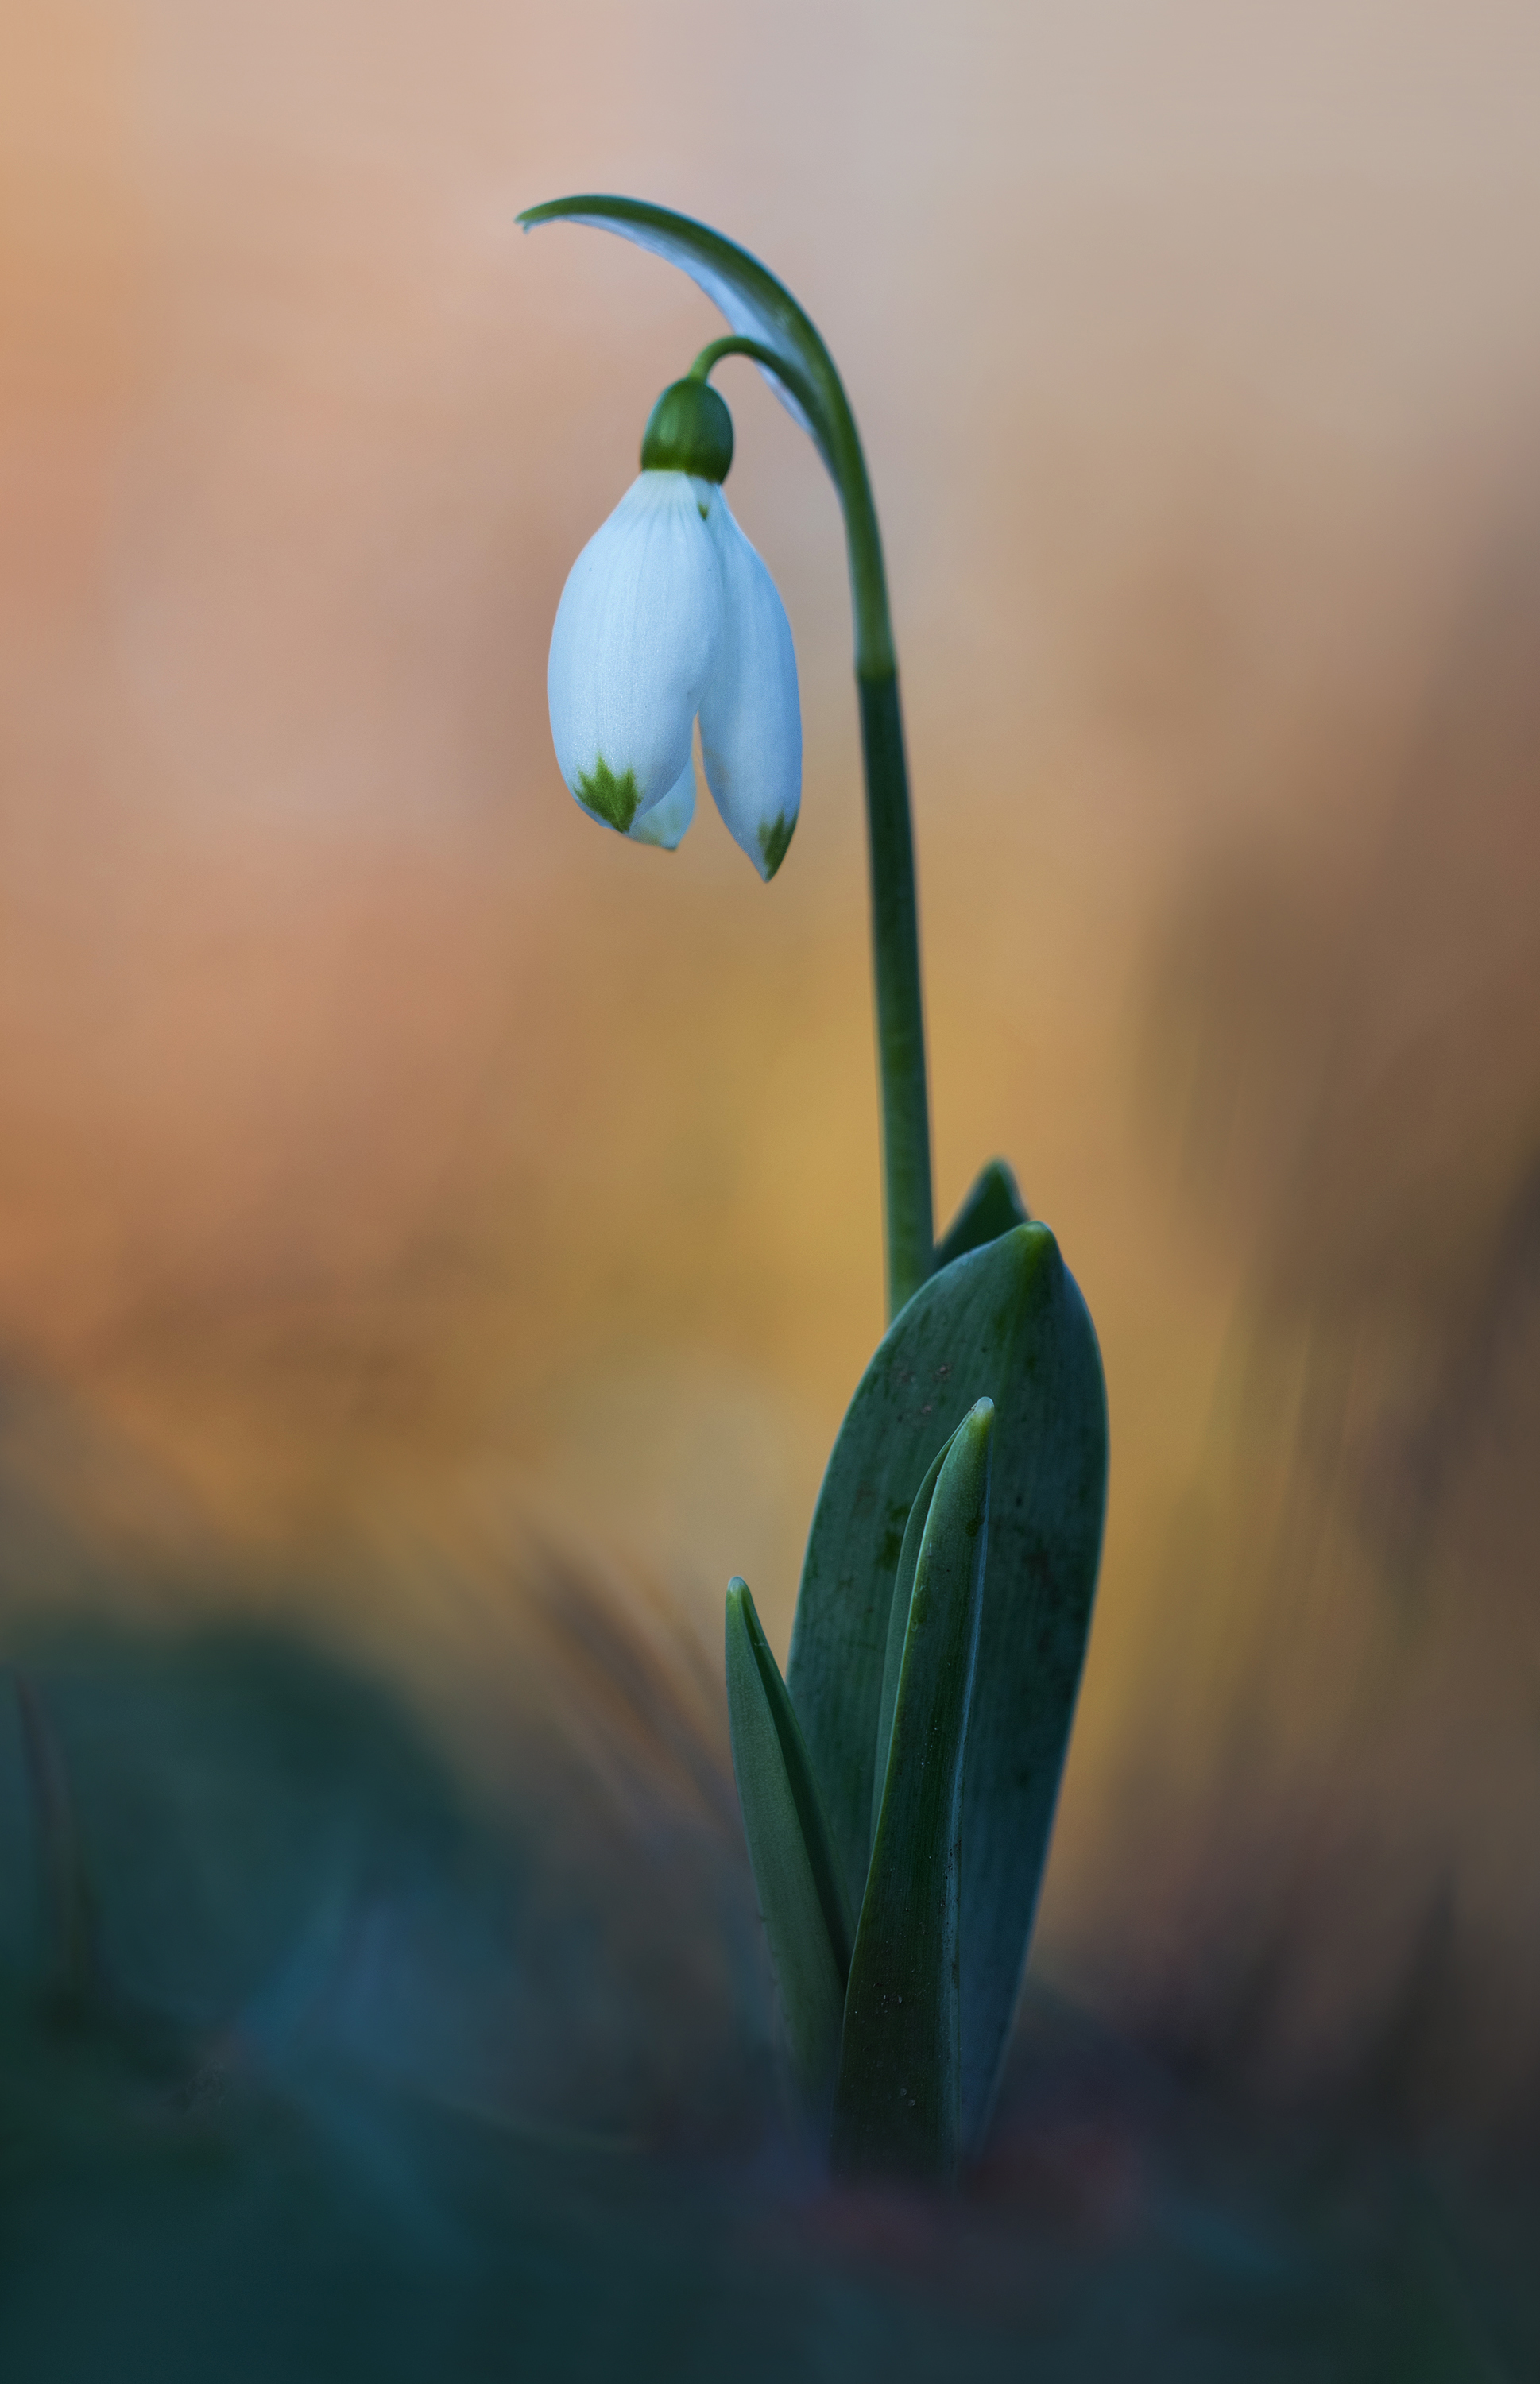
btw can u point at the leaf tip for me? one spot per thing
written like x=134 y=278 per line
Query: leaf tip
x=741 y=1621
x=976 y=1432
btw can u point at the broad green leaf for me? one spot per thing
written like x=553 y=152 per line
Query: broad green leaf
x=898 y=2106
x=898 y=1624
x=797 y=1870
x=1007 y=1323
x=993 y=1204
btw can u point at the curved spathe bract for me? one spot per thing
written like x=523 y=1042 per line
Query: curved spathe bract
x=798 y=366
x=633 y=649
x=745 y=292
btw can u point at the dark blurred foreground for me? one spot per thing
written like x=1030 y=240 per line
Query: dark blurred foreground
x=319 y=2061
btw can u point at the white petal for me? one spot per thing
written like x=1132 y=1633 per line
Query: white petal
x=750 y=720
x=667 y=820
x=635 y=643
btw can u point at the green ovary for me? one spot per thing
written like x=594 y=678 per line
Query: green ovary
x=772 y=842
x=614 y=800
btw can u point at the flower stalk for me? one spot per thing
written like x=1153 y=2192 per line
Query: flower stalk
x=784 y=343
x=907 y=1210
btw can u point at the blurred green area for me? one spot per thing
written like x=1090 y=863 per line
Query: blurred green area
x=321 y=2104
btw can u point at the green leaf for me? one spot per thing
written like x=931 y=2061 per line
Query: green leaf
x=797 y=1870
x=993 y=1204
x=898 y=1625
x=754 y=303
x=1006 y=1322
x=898 y=2106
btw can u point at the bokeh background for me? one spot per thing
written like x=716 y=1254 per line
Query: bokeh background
x=398 y=1175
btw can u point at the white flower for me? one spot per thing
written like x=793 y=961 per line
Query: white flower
x=636 y=637
x=751 y=718
x=670 y=613
x=667 y=820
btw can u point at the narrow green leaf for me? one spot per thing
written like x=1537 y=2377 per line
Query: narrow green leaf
x=797 y=1869
x=1006 y=1322
x=898 y=1624
x=993 y=1204
x=898 y=2106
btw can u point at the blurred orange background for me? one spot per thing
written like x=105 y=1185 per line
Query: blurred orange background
x=393 y=1166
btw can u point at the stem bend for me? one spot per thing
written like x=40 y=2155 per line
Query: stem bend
x=771 y=329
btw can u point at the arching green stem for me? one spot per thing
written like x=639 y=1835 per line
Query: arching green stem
x=894 y=912
x=788 y=345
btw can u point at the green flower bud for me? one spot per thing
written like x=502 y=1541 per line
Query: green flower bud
x=691 y=430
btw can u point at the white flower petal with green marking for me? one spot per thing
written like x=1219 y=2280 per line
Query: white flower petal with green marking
x=664 y=824
x=637 y=637
x=751 y=718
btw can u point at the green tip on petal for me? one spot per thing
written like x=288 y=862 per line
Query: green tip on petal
x=774 y=839
x=691 y=430
x=614 y=800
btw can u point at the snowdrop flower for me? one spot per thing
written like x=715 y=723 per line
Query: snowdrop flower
x=667 y=615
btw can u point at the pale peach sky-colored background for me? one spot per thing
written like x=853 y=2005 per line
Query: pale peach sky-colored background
x=388 y=1157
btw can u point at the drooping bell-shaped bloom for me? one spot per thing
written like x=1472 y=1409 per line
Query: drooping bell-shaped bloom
x=668 y=613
